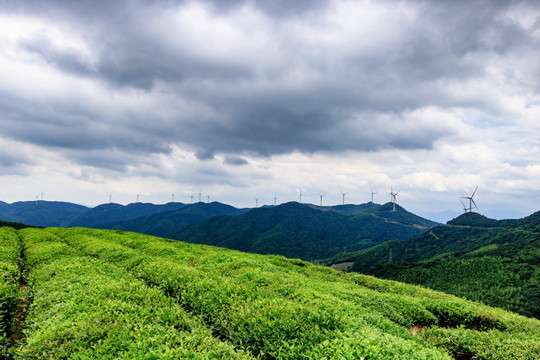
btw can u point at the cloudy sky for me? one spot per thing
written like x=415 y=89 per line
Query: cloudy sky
x=244 y=100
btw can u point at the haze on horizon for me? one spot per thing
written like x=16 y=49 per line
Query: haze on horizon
x=241 y=100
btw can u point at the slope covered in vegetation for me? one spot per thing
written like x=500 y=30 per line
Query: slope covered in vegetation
x=165 y=223
x=108 y=213
x=305 y=231
x=41 y=213
x=107 y=294
x=495 y=262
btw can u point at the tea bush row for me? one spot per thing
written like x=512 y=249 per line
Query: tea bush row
x=269 y=310
x=84 y=308
x=9 y=276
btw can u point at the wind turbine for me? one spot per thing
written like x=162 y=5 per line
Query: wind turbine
x=138 y=197
x=110 y=198
x=172 y=198
x=208 y=198
x=321 y=196
x=275 y=200
x=256 y=202
x=300 y=195
x=471 y=200
x=200 y=196
x=191 y=199
x=372 y=193
x=393 y=198
x=344 y=193
x=41 y=196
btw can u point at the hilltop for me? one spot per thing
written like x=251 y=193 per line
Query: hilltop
x=305 y=231
x=101 y=294
x=110 y=213
x=492 y=261
x=41 y=213
x=167 y=222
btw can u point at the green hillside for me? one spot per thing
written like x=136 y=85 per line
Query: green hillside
x=107 y=294
x=485 y=260
x=41 y=213
x=305 y=231
x=167 y=222
x=108 y=213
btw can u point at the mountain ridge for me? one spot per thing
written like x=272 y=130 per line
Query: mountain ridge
x=304 y=231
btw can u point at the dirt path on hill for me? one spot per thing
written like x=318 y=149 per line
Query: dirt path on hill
x=23 y=302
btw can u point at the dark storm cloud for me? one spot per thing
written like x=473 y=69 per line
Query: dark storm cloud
x=105 y=9
x=74 y=126
x=300 y=94
x=235 y=160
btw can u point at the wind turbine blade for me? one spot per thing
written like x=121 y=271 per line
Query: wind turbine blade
x=474 y=192
x=475 y=204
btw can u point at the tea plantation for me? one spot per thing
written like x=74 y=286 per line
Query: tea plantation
x=102 y=294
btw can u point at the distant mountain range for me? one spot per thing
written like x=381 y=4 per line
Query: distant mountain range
x=167 y=222
x=292 y=229
x=132 y=217
x=109 y=213
x=41 y=213
x=305 y=231
x=492 y=261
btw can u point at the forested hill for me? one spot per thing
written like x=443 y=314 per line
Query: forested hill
x=101 y=294
x=41 y=213
x=305 y=231
x=108 y=213
x=496 y=262
x=165 y=223
x=14 y=225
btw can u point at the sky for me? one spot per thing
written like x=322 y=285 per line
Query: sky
x=241 y=100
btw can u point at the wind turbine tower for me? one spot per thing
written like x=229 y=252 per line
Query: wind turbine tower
x=471 y=200
x=344 y=193
x=200 y=196
x=275 y=200
x=300 y=195
x=256 y=203
x=321 y=196
x=393 y=198
x=372 y=193
x=110 y=198
x=191 y=199
x=138 y=197
x=172 y=198
x=41 y=196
